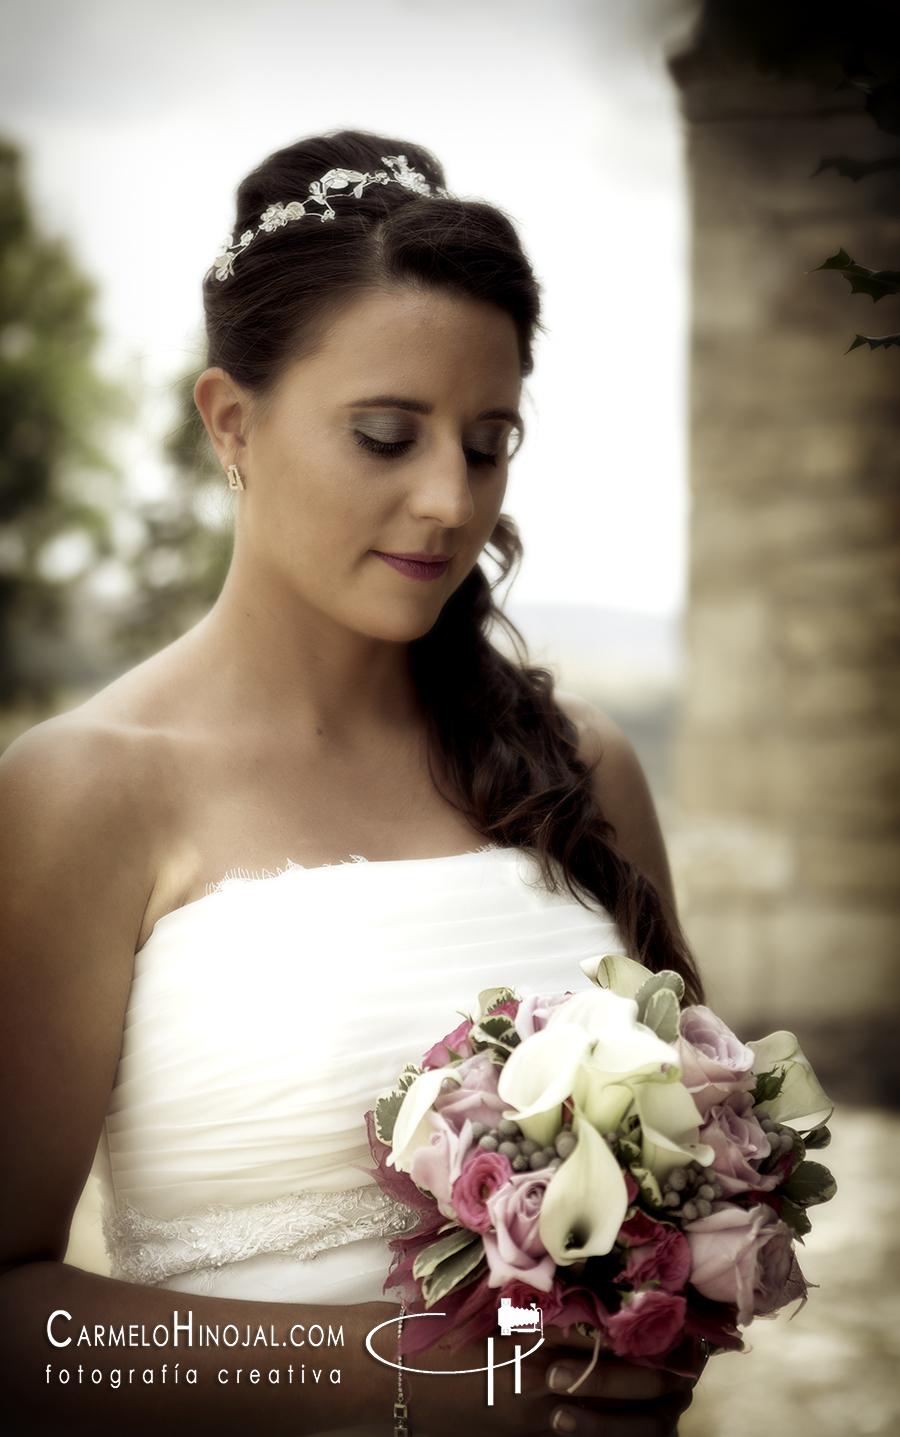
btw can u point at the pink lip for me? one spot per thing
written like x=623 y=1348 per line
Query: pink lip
x=416 y=566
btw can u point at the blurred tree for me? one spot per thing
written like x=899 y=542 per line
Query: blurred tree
x=179 y=566
x=52 y=402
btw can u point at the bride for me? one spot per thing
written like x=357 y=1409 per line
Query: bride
x=254 y=876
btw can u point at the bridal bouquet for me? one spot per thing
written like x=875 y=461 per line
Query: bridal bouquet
x=608 y=1157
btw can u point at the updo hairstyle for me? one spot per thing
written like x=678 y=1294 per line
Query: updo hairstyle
x=500 y=749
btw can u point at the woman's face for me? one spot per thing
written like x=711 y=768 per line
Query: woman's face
x=375 y=473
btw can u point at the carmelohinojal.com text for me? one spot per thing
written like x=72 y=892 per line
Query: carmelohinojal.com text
x=183 y=1332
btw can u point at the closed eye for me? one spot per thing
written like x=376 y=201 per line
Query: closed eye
x=475 y=458
x=380 y=446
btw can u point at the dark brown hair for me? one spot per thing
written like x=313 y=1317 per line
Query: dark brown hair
x=507 y=753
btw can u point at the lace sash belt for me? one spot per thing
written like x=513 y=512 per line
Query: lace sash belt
x=151 y=1250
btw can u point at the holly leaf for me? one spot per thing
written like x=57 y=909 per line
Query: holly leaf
x=874 y=341
x=809 y=1184
x=877 y=283
x=851 y=169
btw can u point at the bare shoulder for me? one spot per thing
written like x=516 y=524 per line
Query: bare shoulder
x=621 y=787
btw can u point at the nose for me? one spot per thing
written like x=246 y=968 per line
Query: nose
x=441 y=491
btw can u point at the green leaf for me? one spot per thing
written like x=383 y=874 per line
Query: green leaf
x=408 y=1074
x=437 y=1252
x=874 y=341
x=794 y=1216
x=874 y=282
x=452 y=1272
x=661 y=1013
x=666 y=980
x=492 y=998
x=809 y=1184
x=768 y=1086
x=386 y=1109
x=648 y=1184
x=818 y=1138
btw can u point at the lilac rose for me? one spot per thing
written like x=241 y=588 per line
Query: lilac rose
x=714 y=1062
x=534 y=1013
x=436 y=1166
x=739 y=1145
x=741 y=1255
x=476 y=1098
x=514 y=1250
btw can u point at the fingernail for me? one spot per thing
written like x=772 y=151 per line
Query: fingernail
x=564 y=1421
x=560 y=1379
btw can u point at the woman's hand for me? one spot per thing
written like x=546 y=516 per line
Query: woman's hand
x=616 y=1400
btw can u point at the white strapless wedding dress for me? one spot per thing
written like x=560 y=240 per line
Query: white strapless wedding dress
x=264 y=1019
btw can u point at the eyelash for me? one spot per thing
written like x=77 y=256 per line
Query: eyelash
x=474 y=457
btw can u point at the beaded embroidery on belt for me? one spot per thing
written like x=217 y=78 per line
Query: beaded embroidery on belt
x=151 y=1250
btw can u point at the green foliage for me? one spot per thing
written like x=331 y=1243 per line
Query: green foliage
x=389 y=1104
x=449 y=1263
x=52 y=404
x=877 y=283
x=768 y=1086
x=794 y=1215
x=659 y=1004
x=817 y=1137
x=809 y=1184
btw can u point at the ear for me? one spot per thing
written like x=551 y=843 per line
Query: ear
x=224 y=408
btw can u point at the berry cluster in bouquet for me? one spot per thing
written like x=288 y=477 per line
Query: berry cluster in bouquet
x=628 y=1166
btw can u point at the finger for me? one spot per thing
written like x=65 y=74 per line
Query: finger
x=616 y=1381
x=580 y=1422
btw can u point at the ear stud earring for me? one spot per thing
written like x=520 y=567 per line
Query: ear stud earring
x=234 y=477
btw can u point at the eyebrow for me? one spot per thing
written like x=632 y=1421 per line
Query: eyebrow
x=414 y=406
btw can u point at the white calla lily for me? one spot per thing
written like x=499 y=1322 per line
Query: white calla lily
x=412 y=1129
x=540 y=1074
x=802 y=1095
x=670 y=1128
x=621 y=1043
x=586 y=1201
x=616 y=972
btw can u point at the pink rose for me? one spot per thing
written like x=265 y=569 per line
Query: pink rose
x=714 y=1062
x=650 y=1323
x=438 y=1164
x=476 y=1099
x=514 y=1249
x=482 y=1174
x=665 y=1259
x=739 y=1144
x=439 y=1056
x=534 y=1013
x=742 y=1256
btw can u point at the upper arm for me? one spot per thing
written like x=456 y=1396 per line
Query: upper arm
x=622 y=791
x=73 y=884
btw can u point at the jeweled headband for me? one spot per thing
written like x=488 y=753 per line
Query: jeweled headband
x=280 y=214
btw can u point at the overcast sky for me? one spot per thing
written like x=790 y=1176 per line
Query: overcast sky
x=139 y=120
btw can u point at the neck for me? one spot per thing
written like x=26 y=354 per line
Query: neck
x=272 y=655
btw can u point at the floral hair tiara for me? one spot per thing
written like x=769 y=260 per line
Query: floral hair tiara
x=278 y=215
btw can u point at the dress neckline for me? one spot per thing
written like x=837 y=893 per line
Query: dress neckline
x=243 y=877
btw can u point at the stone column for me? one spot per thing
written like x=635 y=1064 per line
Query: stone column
x=787 y=835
